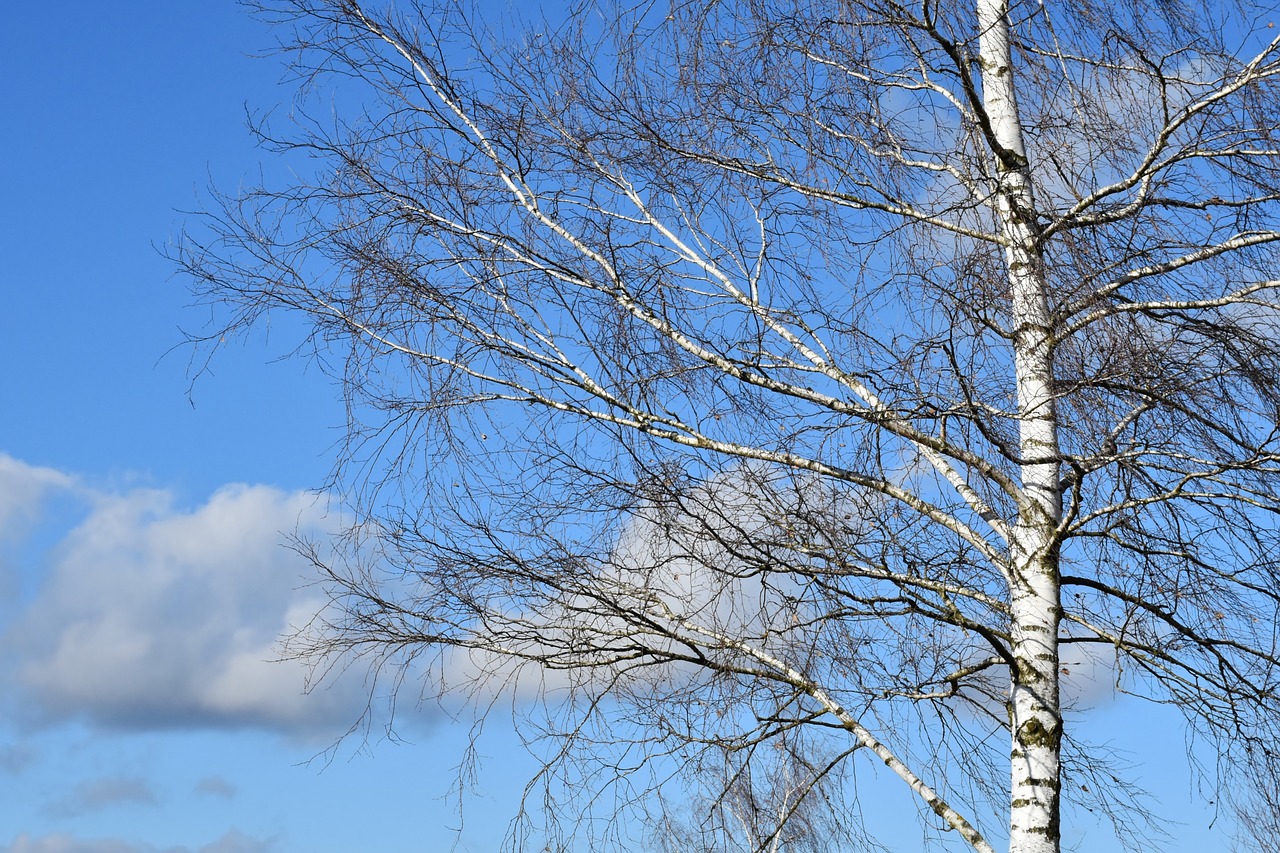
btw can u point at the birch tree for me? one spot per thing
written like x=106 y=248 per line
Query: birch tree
x=731 y=380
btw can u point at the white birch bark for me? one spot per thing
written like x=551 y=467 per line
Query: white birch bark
x=1035 y=718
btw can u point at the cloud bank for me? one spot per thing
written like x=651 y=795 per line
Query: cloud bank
x=151 y=615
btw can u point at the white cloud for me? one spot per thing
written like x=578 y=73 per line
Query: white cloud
x=152 y=616
x=22 y=490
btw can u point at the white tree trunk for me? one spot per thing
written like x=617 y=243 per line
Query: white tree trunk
x=1035 y=598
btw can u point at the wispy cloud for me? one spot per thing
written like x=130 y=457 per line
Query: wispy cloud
x=236 y=842
x=232 y=842
x=60 y=843
x=94 y=795
x=215 y=786
x=16 y=758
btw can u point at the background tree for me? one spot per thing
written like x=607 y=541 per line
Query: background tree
x=754 y=379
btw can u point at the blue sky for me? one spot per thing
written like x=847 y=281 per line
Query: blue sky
x=142 y=577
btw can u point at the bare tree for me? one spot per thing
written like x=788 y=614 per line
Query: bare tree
x=736 y=379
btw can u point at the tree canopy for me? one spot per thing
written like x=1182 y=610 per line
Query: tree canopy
x=761 y=388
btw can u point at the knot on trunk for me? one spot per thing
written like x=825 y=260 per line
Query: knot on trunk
x=1034 y=733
